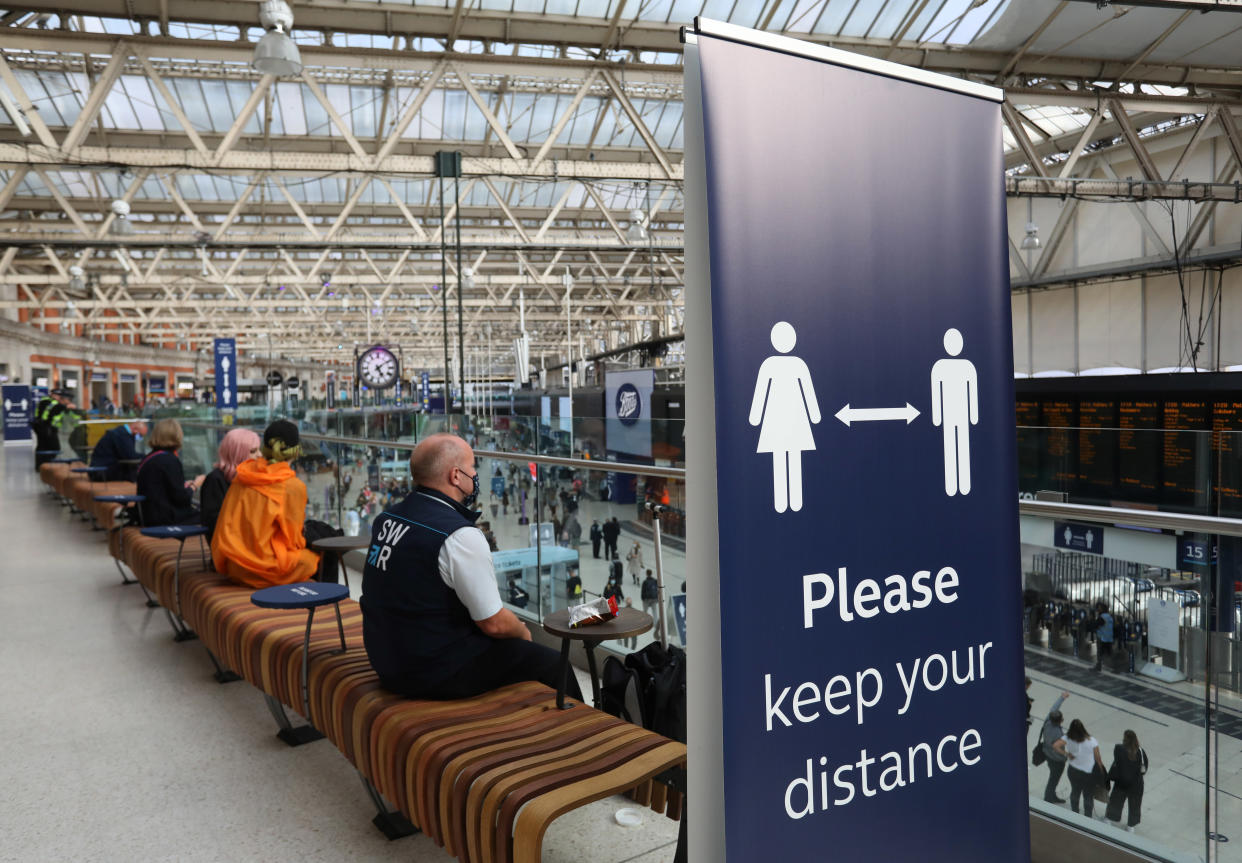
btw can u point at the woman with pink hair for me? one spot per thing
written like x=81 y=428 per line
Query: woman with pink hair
x=238 y=446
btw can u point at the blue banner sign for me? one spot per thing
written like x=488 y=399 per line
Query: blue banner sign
x=225 y=351
x=1078 y=537
x=19 y=405
x=679 y=615
x=865 y=539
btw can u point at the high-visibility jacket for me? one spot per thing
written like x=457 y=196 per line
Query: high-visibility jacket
x=258 y=538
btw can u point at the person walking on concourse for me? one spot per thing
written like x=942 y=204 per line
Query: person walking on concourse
x=433 y=623
x=1129 y=767
x=1083 y=753
x=1050 y=734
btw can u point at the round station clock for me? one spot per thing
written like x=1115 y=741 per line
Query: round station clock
x=378 y=368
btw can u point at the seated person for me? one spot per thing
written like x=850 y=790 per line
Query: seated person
x=238 y=445
x=432 y=620
x=258 y=538
x=161 y=479
x=117 y=445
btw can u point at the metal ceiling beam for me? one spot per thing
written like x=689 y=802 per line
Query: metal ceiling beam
x=295 y=163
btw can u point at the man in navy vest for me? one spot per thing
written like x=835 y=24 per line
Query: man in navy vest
x=432 y=619
x=119 y=444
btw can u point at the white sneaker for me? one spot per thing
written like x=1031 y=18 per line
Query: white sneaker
x=1129 y=829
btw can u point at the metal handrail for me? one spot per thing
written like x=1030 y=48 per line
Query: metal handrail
x=558 y=461
x=1132 y=517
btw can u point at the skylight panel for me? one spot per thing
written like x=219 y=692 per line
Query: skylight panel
x=142 y=104
x=190 y=95
x=578 y=132
x=561 y=7
x=547 y=110
x=338 y=98
x=832 y=17
x=885 y=24
x=496 y=5
x=120 y=112
x=535 y=6
x=454 y=113
x=975 y=20
x=365 y=115
x=799 y=19
x=860 y=19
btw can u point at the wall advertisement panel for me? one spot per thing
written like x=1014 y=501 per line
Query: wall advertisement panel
x=627 y=405
x=865 y=529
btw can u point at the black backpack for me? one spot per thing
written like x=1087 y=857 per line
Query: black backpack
x=648 y=689
x=651 y=589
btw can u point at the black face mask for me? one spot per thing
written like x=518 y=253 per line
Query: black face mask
x=471 y=499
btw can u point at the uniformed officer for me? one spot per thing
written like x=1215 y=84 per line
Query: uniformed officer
x=48 y=417
x=433 y=622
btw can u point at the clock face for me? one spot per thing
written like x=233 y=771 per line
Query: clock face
x=378 y=368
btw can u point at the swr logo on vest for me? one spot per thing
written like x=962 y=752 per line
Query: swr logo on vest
x=390 y=533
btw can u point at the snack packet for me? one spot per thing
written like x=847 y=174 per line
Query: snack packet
x=604 y=608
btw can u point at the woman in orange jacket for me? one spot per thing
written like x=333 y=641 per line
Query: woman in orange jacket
x=258 y=539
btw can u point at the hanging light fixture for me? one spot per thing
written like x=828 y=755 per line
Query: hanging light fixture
x=636 y=232
x=77 y=284
x=121 y=225
x=276 y=53
x=1031 y=240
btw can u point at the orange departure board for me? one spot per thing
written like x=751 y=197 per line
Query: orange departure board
x=1097 y=450
x=1186 y=449
x=1030 y=443
x=1138 y=444
x=1227 y=442
x=1060 y=416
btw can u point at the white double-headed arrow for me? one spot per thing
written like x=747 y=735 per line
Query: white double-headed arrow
x=849 y=415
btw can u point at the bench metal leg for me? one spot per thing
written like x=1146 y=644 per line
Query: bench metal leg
x=392 y=824
x=151 y=603
x=222 y=675
x=125 y=579
x=290 y=735
x=182 y=631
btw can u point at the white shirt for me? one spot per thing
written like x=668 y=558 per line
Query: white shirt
x=1081 y=755
x=466 y=567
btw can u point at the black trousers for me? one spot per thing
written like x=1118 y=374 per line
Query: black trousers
x=507 y=660
x=595 y=547
x=1119 y=797
x=1082 y=784
x=1055 y=769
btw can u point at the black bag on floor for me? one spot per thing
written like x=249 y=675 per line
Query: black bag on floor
x=649 y=689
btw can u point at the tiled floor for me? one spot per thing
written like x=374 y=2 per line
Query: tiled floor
x=118 y=745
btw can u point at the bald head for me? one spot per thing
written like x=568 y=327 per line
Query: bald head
x=439 y=460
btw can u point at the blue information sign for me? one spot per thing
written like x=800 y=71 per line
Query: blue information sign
x=19 y=405
x=866 y=536
x=679 y=615
x=226 y=374
x=1078 y=537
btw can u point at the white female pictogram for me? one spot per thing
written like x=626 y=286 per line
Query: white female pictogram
x=785 y=403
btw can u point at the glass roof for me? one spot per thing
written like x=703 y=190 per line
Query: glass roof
x=940 y=21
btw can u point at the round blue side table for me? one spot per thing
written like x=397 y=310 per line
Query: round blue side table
x=179 y=532
x=307 y=595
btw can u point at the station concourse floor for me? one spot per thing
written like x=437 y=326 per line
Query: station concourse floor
x=119 y=745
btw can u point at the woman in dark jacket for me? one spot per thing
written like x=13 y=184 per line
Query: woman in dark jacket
x=1129 y=766
x=161 y=479
x=238 y=445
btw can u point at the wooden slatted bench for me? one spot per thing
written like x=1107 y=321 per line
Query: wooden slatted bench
x=483 y=777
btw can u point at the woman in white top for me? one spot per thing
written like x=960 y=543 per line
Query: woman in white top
x=1083 y=753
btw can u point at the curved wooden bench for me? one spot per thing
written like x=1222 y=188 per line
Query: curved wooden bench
x=482 y=776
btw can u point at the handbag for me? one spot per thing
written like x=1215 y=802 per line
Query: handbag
x=1038 y=756
x=1100 y=789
